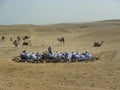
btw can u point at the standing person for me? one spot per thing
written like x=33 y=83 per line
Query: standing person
x=49 y=50
x=16 y=42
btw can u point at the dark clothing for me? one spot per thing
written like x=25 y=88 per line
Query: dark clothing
x=49 y=50
x=23 y=56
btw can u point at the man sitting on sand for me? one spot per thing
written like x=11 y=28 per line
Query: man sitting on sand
x=32 y=56
x=23 y=55
x=88 y=55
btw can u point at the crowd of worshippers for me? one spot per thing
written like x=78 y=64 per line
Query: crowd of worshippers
x=55 y=55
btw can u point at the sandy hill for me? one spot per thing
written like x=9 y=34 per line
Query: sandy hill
x=99 y=75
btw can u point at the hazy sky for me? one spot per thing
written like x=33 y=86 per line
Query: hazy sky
x=57 y=11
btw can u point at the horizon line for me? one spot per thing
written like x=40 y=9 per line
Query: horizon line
x=62 y=22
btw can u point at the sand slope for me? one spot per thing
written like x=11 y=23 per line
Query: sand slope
x=99 y=75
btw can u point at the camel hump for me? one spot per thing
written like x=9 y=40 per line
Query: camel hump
x=62 y=38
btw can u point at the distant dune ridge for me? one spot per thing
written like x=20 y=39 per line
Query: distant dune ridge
x=99 y=75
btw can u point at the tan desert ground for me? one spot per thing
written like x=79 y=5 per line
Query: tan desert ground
x=102 y=74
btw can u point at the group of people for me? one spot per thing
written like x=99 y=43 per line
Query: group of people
x=56 y=56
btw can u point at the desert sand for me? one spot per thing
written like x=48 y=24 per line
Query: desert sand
x=102 y=74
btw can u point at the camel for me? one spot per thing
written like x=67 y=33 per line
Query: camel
x=61 y=40
x=26 y=43
x=98 y=44
x=2 y=38
x=26 y=37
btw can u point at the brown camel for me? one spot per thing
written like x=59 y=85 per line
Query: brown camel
x=26 y=37
x=61 y=40
x=26 y=43
x=98 y=44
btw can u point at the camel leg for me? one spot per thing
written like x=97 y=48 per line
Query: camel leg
x=60 y=42
x=63 y=42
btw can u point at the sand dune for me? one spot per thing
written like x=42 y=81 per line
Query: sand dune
x=102 y=74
